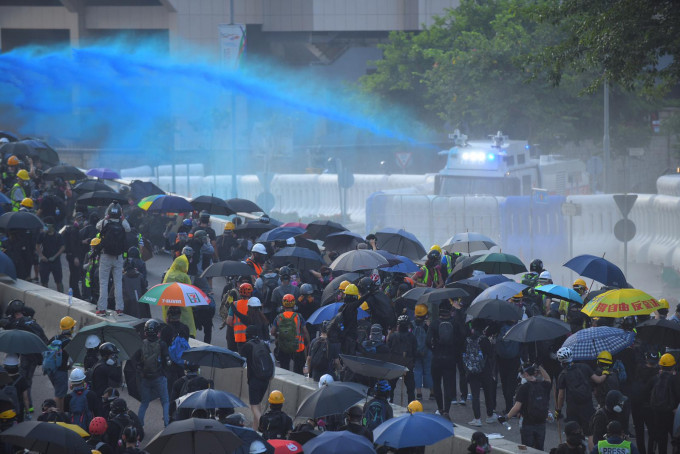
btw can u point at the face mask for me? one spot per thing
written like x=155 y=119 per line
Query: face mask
x=524 y=380
x=618 y=408
x=112 y=361
x=575 y=439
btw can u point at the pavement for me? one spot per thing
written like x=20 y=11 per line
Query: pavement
x=649 y=278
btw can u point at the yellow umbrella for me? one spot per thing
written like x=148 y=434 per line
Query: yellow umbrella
x=621 y=303
x=77 y=429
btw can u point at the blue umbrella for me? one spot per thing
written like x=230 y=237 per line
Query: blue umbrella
x=411 y=430
x=588 y=343
x=563 y=293
x=329 y=311
x=490 y=279
x=502 y=291
x=103 y=173
x=599 y=269
x=406 y=266
x=210 y=398
x=170 y=204
x=280 y=234
x=4 y=199
x=338 y=443
x=392 y=259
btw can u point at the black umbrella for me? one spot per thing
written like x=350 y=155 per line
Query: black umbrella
x=537 y=328
x=90 y=186
x=320 y=229
x=210 y=398
x=21 y=342
x=299 y=257
x=400 y=242
x=361 y=259
x=213 y=357
x=21 y=220
x=472 y=286
x=212 y=205
x=660 y=332
x=253 y=228
x=498 y=263
x=342 y=241
x=248 y=436
x=100 y=198
x=7 y=266
x=437 y=295
x=9 y=136
x=331 y=290
x=123 y=336
x=243 y=206
x=45 y=438
x=331 y=399
x=194 y=435
x=227 y=268
x=375 y=368
x=301 y=241
x=32 y=148
x=415 y=294
x=65 y=172
x=140 y=189
x=462 y=270
x=495 y=309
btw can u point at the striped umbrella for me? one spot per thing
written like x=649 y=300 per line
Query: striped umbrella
x=175 y=294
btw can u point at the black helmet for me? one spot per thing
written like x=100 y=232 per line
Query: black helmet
x=403 y=320
x=151 y=328
x=108 y=349
x=191 y=367
x=365 y=284
x=133 y=252
x=114 y=211
x=130 y=434
x=536 y=266
x=204 y=216
x=628 y=323
x=306 y=289
x=174 y=311
x=200 y=234
x=284 y=271
x=434 y=255
x=118 y=406
x=14 y=306
x=615 y=401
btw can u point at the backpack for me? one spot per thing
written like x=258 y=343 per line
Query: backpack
x=401 y=350
x=506 y=349
x=578 y=386
x=79 y=409
x=620 y=370
x=192 y=384
x=319 y=355
x=262 y=363
x=269 y=282
x=446 y=336
x=421 y=338
x=538 y=402
x=151 y=358
x=375 y=414
x=179 y=345
x=52 y=357
x=113 y=238
x=10 y=391
x=288 y=333
x=473 y=358
x=663 y=397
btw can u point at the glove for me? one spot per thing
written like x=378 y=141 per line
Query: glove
x=502 y=419
x=558 y=414
x=605 y=372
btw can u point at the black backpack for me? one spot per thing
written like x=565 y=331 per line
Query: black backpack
x=375 y=414
x=401 y=350
x=421 y=340
x=193 y=384
x=506 y=349
x=663 y=397
x=578 y=385
x=113 y=238
x=269 y=282
x=262 y=363
x=319 y=354
x=10 y=391
x=538 y=402
x=446 y=337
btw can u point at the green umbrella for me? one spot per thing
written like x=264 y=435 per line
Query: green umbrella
x=125 y=337
x=498 y=263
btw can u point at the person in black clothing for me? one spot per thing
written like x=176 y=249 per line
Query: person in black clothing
x=507 y=360
x=319 y=363
x=203 y=315
x=353 y=423
x=226 y=243
x=151 y=361
x=21 y=249
x=110 y=394
x=118 y=419
x=575 y=440
x=129 y=439
x=663 y=394
x=458 y=316
x=173 y=329
x=378 y=410
x=81 y=413
x=379 y=304
x=191 y=382
x=107 y=373
x=641 y=411
x=97 y=430
x=615 y=409
x=347 y=317
x=275 y=424
x=75 y=252
x=11 y=365
x=532 y=401
x=481 y=380
x=50 y=412
x=49 y=247
x=443 y=358
x=257 y=387
x=402 y=345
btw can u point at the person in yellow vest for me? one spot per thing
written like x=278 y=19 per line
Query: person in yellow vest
x=430 y=273
x=18 y=192
x=291 y=336
x=615 y=442
x=245 y=291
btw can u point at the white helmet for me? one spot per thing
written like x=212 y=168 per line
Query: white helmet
x=11 y=360
x=254 y=302
x=325 y=379
x=290 y=241
x=257 y=447
x=92 y=341
x=565 y=355
x=77 y=375
x=545 y=276
x=259 y=248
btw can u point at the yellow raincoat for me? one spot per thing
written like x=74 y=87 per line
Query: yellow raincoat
x=178 y=273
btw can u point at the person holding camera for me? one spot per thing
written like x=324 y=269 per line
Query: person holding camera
x=112 y=230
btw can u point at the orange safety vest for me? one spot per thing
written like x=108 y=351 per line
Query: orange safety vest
x=256 y=267
x=239 y=326
x=298 y=329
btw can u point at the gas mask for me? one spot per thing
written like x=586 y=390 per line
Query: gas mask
x=112 y=360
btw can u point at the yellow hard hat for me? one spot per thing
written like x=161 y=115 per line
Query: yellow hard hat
x=94 y=451
x=276 y=397
x=229 y=226
x=364 y=306
x=95 y=241
x=23 y=175
x=12 y=161
x=343 y=285
x=415 y=407
x=438 y=248
x=421 y=310
x=8 y=414
x=667 y=360
x=352 y=289
x=27 y=202
x=580 y=283
x=66 y=323
x=518 y=296
x=605 y=357
x=663 y=303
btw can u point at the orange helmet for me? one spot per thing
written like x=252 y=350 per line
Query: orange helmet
x=288 y=300
x=13 y=161
x=245 y=289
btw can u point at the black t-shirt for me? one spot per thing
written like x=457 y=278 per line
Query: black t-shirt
x=105 y=376
x=586 y=371
x=50 y=243
x=358 y=429
x=523 y=396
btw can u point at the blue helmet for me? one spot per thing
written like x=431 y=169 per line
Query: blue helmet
x=383 y=386
x=187 y=222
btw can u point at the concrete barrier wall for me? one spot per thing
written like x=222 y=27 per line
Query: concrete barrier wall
x=51 y=306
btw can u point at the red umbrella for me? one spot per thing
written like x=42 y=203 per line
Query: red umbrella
x=302 y=225
x=285 y=446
